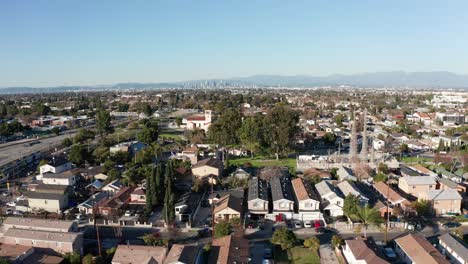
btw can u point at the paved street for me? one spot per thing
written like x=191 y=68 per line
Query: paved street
x=327 y=255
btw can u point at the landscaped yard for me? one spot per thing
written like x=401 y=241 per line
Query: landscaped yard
x=415 y=160
x=301 y=255
x=258 y=162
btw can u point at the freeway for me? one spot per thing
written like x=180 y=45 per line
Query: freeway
x=10 y=153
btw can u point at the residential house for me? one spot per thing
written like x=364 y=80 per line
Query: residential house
x=228 y=250
x=453 y=249
x=227 y=208
x=51 y=201
x=344 y=173
x=416 y=185
x=111 y=206
x=382 y=207
x=307 y=206
x=95 y=186
x=207 y=169
x=391 y=195
x=449 y=184
x=283 y=201
x=190 y=154
x=314 y=172
x=113 y=186
x=360 y=251
x=57 y=235
x=101 y=177
x=95 y=200
x=423 y=170
x=138 y=196
x=444 y=201
x=56 y=165
x=414 y=248
x=17 y=254
x=132 y=147
x=127 y=254
x=407 y=172
x=242 y=173
x=448 y=175
x=332 y=202
x=349 y=188
x=64 y=178
x=257 y=196
x=202 y=122
x=184 y=254
x=186 y=206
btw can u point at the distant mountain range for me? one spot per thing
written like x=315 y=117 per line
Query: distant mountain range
x=396 y=79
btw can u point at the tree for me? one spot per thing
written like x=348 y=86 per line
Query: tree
x=367 y=216
x=88 y=259
x=77 y=154
x=178 y=121
x=404 y=148
x=329 y=138
x=284 y=237
x=380 y=177
x=55 y=130
x=154 y=240
x=42 y=163
x=280 y=128
x=337 y=241
x=72 y=258
x=103 y=122
x=67 y=142
x=383 y=168
x=339 y=118
x=350 y=206
x=422 y=207
x=156 y=184
x=149 y=133
x=101 y=154
x=222 y=228
x=83 y=135
x=312 y=243
x=250 y=134
x=169 y=214
x=224 y=130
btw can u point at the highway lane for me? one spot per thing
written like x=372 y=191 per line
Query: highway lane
x=13 y=152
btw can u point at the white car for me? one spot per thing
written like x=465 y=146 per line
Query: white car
x=9 y=211
x=12 y=204
x=298 y=224
x=19 y=198
x=128 y=213
x=308 y=224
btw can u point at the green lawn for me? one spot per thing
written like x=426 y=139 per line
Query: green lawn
x=258 y=162
x=415 y=160
x=461 y=218
x=301 y=255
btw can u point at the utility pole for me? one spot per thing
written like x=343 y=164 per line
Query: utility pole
x=212 y=210
x=388 y=217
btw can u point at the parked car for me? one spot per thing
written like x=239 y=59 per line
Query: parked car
x=307 y=224
x=451 y=224
x=298 y=224
x=9 y=211
x=12 y=204
x=389 y=253
x=17 y=213
x=317 y=224
x=128 y=213
x=205 y=232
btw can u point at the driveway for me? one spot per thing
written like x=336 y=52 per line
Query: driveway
x=327 y=255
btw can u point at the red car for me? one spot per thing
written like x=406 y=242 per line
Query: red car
x=317 y=224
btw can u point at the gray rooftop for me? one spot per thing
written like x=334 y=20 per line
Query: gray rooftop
x=419 y=180
x=447 y=194
x=42 y=235
x=257 y=189
x=324 y=188
x=449 y=183
x=281 y=189
x=455 y=245
x=45 y=195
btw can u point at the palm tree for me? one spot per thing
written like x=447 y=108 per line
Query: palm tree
x=368 y=215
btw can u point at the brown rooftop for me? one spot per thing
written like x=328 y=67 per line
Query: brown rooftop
x=420 y=250
x=300 y=189
x=139 y=254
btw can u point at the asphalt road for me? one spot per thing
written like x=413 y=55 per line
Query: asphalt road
x=13 y=152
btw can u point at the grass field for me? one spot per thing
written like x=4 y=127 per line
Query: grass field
x=259 y=162
x=300 y=255
x=415 y=160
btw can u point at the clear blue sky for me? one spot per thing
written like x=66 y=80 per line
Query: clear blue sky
x=45 y=43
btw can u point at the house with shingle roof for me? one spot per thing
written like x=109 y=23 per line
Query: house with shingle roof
x=228 y=250
x=415 y=185
x=455 y=250
x=304 y=196
x=132 y=254
x=349 y=188
x=207 y=169
x=444 y=201
x=391 y=195
x=331 y=200
x=414 y=248
x=227 y=207
x=257 y=199
x=360 y=251
x=184 y=254
x=283 y=201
